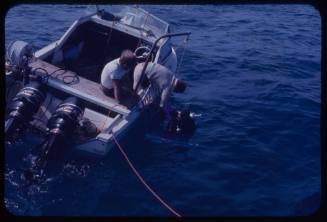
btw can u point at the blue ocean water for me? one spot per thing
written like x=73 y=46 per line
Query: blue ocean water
x=254 y=81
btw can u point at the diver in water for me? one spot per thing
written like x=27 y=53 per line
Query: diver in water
x=180 y=125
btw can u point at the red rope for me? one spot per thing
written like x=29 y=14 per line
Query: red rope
x=143 y=181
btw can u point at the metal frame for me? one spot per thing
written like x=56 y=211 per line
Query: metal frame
x=152 y=49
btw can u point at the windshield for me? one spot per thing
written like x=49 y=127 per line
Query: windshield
x=138 y=18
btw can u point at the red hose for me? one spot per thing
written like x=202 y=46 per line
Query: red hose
x=143 y=181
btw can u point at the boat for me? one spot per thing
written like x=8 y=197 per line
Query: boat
x=52 y=93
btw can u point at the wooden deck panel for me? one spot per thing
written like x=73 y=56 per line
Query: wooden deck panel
x=81 y=87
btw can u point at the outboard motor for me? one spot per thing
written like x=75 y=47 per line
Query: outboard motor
x=65 y=120
x=18 y=52
x=23 y=106
x=18 y=55
x=61 y=126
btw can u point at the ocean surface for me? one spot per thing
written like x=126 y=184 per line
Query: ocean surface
x=254 y=86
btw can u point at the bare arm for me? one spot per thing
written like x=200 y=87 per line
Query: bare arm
x=137 y=77
x=164 y=97
x=128 y=84
x=117 y=89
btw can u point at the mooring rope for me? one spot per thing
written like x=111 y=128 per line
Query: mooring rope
x=143 y=181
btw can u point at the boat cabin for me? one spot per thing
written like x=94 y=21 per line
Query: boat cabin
x=94 y=40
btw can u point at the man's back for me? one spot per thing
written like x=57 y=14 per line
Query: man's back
x=156 y=73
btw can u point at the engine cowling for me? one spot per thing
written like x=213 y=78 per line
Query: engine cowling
x=23 y=106
x=61 y=125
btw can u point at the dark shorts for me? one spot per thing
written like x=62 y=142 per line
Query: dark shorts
x=107 y=92
x=128 y=99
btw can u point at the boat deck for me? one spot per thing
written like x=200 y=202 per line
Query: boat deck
x=76 y=85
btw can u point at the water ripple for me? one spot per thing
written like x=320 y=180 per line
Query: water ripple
x=253 y=73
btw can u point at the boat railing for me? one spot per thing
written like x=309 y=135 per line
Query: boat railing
x=147 y=60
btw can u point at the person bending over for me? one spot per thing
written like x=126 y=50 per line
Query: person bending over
x=161 y=77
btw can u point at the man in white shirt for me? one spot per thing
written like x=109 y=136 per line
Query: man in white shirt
x=116 y=74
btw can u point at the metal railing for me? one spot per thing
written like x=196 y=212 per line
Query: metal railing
x=152 y=50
